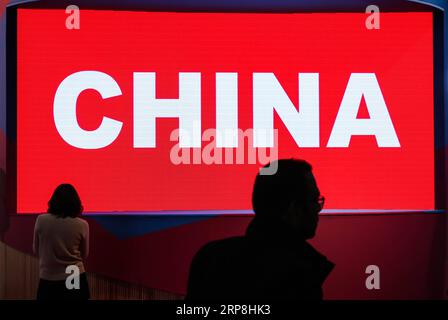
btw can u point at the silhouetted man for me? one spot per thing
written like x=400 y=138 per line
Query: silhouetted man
x=273 y=260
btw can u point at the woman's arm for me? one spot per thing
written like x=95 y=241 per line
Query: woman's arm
x=36 y=238
x=85 y=241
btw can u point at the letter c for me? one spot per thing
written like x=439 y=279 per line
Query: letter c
x=64 y=110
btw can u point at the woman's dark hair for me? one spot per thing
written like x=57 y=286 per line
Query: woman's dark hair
x=65 y=202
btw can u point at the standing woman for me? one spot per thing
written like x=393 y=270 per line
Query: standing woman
x=61 y=239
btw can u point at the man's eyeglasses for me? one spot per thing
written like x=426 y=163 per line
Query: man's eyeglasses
x=316 y=204
x=321 y=202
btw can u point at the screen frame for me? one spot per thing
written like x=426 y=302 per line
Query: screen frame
x=11 y=113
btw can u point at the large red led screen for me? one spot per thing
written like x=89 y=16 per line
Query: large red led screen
x=163 y=112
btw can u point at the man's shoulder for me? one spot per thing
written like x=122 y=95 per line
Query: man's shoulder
x=224 y=243
x=223 y=247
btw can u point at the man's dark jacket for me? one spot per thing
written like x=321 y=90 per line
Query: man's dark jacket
x=269 y=262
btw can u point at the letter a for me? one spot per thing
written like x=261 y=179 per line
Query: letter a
x=373 y=280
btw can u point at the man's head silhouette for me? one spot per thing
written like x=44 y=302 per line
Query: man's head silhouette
x=290 y=195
